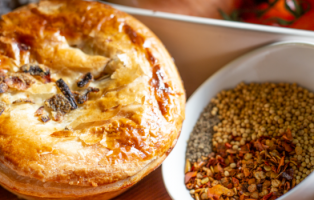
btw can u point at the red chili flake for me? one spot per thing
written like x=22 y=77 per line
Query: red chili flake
x=281 y=163
x=217 y=176
x=273 y=197
x=285 y=167
x=237 y=138
x=221 y=150
x=208 y=183
x=228 y=145
x=211 y=155
x=287 y=185
x=258 y=145
x=189 y=175
x=244 y=149
x=231 y=151
x=235 y=182
x=216 y=191
x=287 y=147
x=220 y=160
x=288 y=174
x=211 y=162
x=267 y=196
x=220 y=169
x=239 y=163
x=246 y=172
x=230 y=158
x=287 y=135
x=230 y=186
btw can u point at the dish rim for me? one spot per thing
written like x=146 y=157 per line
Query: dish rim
x=212 y=22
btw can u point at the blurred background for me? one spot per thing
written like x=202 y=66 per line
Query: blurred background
x=297 y=14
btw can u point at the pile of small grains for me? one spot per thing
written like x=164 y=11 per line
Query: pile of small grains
x=199 y=143
x=276 y=116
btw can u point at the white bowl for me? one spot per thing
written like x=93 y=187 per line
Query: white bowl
x=280 y=62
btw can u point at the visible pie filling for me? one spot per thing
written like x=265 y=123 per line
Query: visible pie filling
x=101 y=99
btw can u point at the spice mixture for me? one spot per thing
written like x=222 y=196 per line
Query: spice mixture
x=262 y=143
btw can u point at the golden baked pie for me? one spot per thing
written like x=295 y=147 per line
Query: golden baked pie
x=90 y=101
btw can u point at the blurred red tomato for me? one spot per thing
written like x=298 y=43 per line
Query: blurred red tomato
x=268 y=14
x=279 y=10
x=306 y=21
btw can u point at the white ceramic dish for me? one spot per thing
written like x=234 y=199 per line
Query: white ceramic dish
x=279 y=62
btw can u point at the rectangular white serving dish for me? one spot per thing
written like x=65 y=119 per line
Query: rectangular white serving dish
x=200 y=46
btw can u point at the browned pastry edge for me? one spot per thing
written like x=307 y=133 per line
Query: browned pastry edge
x=20 y=192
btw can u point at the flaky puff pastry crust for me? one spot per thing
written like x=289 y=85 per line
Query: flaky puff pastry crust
x=120 y=132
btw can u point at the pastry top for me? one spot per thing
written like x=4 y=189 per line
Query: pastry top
x=88 y=95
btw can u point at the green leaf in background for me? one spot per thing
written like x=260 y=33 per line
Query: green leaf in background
x=262 y=12
x=282 y=21
x=298 y=12
x=234 y=16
